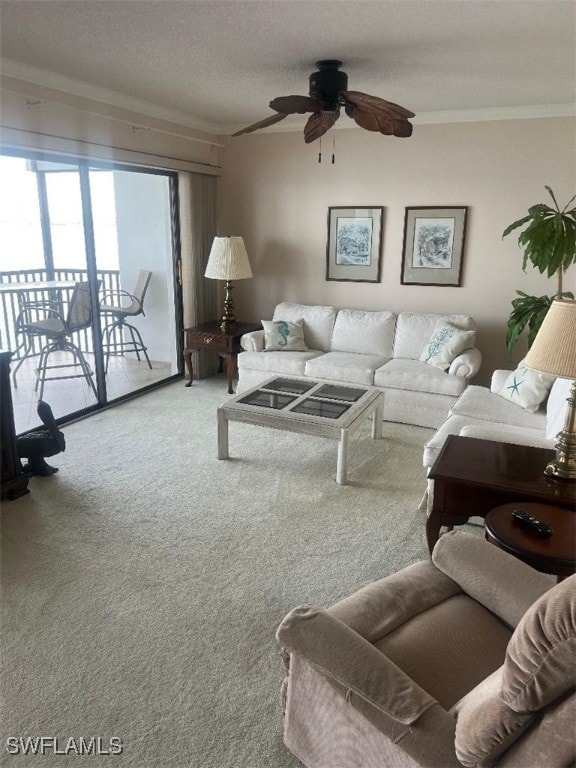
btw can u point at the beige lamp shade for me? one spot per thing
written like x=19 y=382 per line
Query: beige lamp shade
x=228 y=260
x=554 y=348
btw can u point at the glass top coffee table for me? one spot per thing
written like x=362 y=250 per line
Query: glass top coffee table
x=309 y=407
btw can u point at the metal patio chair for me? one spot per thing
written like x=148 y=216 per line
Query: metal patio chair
x=114 y=333
x=58 y=330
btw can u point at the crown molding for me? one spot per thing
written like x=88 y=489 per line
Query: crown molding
x=80 y=95
x=485 y=114
x=94 y=95
x=297 y=122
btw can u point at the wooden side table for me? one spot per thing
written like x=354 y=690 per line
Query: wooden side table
x=225 y=343
x=555 y=554
x=473 y=476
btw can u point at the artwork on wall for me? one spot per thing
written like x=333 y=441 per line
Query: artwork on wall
x=354 y=247
x=433 y=245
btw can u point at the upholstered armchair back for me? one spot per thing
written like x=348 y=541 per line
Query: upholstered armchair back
x=537 y=674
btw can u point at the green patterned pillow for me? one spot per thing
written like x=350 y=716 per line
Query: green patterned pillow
x=446 y=343
x=284 y=336
x=527 y=388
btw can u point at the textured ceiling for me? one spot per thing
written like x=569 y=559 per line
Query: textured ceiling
x=219 y=62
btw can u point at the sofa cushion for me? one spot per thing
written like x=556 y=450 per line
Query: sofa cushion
x=454 y=629
x=445 y=344
x=277 y=362
x=480 y=402
x=318 y=322
x=526 y=388
x=423 y=409
x=416 y=376
x=556 y=407
x=345 y=366
x=413 y=331
x=283 y=336
x=369 y=333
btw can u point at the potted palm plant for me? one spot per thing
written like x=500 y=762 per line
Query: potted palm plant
x=549 y=243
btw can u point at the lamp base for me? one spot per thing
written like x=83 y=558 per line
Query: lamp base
x=228 y=318
x=564 y=465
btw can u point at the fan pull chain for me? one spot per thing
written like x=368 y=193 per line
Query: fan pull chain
x=333 y=150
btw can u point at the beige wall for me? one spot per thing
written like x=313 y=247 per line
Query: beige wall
x=276 y=195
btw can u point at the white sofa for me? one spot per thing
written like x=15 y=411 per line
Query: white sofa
x=482 y=413
x=363 y=348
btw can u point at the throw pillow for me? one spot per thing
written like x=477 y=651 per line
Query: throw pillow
x=526 y=388
x=283 y=336
x=446 y=343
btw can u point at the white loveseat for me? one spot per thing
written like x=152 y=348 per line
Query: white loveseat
x=482 y=413
x=362 y=348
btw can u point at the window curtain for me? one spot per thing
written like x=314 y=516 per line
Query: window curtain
x=197 y=195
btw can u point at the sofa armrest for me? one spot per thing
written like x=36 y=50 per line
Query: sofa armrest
x=507 y=434
x=498 y=380
x=500 y=582
x=253 y=342
x=467 y=364
x=348 y=659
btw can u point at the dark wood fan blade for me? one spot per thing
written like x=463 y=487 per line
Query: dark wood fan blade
x=296 y=104
x=388 y=107
x=371 y=121
x=374 y=120
x=262 y=124
x=318 y=123
x=402 y=129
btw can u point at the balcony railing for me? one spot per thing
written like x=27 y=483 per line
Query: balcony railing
x=10 y=302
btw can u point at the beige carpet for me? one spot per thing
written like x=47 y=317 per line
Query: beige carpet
x=143 y=583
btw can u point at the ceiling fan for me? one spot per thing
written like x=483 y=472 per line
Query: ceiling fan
x=328 y=93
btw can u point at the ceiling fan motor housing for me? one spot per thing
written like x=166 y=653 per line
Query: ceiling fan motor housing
x=328 y=82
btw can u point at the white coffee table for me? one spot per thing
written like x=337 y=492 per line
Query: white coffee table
x=308 y=407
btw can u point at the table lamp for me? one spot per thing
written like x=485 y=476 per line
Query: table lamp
x=228 y=261
x=554 y=352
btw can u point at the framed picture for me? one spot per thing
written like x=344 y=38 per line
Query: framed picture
x=354 y=247
x=433 y=245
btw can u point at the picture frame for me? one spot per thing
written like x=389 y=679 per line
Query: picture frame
x=433 y=250
x=354 y=245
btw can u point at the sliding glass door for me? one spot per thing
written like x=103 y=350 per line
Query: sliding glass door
x=111 y=230
x=132 y=233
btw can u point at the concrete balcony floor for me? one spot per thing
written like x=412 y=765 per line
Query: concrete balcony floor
x=125 y=375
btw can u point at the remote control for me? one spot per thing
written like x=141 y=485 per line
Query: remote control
x=536 y=526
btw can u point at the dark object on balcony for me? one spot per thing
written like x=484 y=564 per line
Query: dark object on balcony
x=39 y=443
x=120 y=313
x=13 y=482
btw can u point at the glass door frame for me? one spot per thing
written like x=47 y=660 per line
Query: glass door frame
x=84 y=166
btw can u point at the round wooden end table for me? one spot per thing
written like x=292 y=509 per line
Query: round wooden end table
x=555 y=554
